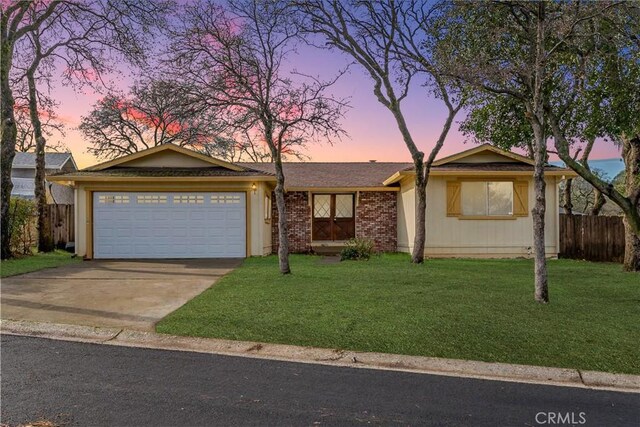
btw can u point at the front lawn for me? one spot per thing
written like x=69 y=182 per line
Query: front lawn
x=462 y=309
x=38 y=261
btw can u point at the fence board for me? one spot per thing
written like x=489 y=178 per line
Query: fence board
x=594 y=238
x=62 y=224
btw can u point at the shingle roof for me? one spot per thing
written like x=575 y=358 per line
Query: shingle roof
x=333 y=175
x=162 y=172
x=26 y=188
x=51 y=160
x=491 y=166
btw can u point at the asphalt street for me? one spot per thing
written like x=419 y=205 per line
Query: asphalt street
x=88 y=384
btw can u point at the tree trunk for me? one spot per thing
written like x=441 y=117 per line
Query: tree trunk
x=598 y=202
x=8 y=144
x=568 y=204
x=631 y=248
x=417 y=256
x=45 y=241
x=537 y=119
x=631 y=156
x=283 y=237
x=538 y=212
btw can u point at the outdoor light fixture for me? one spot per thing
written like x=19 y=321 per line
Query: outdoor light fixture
x=254 y=187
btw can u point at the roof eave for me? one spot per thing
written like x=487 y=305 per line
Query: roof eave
x=342 y=189
x=103 y=178
x=499 y=173
x=397 y=177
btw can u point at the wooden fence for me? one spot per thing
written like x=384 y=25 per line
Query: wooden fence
x=594 y=238
x=62 y=224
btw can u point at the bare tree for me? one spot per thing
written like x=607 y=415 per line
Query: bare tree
x=13 y=26
x=237 y=57
x=391 y=41
x=52 y=126
x=85 y=37
x=156 y=112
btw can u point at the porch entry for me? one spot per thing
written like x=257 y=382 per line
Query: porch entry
x=333 y=217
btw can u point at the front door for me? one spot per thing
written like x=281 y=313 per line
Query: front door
x=333 y=217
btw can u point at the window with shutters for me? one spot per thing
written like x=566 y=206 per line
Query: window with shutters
x=487 y=199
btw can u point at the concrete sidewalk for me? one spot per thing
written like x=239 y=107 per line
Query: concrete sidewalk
x=418 y=364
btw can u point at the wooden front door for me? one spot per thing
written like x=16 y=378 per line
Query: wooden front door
x=333 y=217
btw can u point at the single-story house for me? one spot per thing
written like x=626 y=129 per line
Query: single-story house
x=170 y=202
x=23 y=174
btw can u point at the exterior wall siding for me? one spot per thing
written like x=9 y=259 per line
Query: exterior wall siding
x=298 y=209
x=493 y=238
x=377 y=219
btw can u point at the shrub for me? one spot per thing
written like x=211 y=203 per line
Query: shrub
x=21 y=225
x=357 y=249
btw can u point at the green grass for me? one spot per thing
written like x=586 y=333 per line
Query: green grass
x=463 y=309
x=35 y=262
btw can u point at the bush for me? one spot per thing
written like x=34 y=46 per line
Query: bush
x=22 y=214
x=357 y=249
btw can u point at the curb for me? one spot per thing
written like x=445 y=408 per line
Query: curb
x=352 y=359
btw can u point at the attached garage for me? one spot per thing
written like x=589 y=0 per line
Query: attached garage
x=168 y=202
x=169 y=224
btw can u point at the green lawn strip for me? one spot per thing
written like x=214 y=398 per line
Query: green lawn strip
x=38 y=261
x=463 y=309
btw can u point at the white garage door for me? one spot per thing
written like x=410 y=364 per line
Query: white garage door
x=169 y=225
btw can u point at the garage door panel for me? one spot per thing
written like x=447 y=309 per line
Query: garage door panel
x=169 y=225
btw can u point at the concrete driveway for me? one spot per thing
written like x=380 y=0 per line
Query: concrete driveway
x=132 y=294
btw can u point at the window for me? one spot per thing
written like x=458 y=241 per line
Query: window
x=151 y=199
x=321 y=205
x=188 y=199
x=267 y=208
x=344 y=205
x=117 y=198
x=225 y=198
x=487 y=198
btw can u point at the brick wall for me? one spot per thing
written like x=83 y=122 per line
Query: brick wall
x=298 y=221
x=377 y=219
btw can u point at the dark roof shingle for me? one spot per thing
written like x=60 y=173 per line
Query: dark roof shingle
x=51 y=160
x=333 y=175
x=492 y=166
x=163 y=172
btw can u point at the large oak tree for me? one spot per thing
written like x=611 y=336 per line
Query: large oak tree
x=391 y=40
x=85 y=39
x=238 y=58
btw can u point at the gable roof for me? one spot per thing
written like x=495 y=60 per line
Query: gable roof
x=451 y=165
x=303 y=175
x=51 y=160
x=480 y=149
x=120 y=161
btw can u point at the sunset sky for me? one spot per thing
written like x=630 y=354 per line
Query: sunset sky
x=371 y=128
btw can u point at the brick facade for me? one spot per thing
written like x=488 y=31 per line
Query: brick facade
x=298 y=221
x=376 y=219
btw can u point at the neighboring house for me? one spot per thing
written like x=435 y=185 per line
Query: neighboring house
x=170 y=202
x=23 y=173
